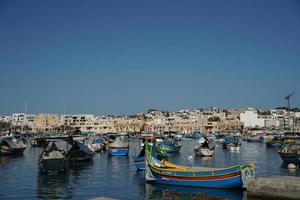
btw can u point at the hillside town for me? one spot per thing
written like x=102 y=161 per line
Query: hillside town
x=210 y=120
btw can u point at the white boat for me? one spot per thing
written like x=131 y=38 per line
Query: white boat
x=204 y=147
x=97 y=145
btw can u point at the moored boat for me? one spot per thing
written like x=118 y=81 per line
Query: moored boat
x=53 y=159
x=79 y=152
x=290 y=153
x=255 y=139
x=231 y=143
x=139 y=161
x=163 y=172
x=9 y=145
x=170 y=146
x=119 y=148
x=97 y=145
x=274 y=142
x=38 y=142
x=204 y=147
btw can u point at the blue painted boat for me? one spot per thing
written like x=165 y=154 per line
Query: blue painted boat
x=118 y=151
x=169 y=147
x=230 y=141
x=163 y=172
x=119 y=148
x=139 y=162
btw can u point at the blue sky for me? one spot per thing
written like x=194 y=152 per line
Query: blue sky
x=120 y=57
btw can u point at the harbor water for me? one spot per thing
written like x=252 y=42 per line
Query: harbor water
x=117 y=178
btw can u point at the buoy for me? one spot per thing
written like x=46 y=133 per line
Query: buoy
x=292 y=166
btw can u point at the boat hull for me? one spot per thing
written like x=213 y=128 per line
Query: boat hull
x=232 y=182
x=225 y=178
x=169 y=148
x=204 y=152
x=274 y=144
x=139 y=163
x=255 y=140
x=290 y=158
x=118 y=152
x=53 y=165
x=5 y=150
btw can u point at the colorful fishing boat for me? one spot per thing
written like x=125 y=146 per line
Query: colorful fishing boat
x=119 y=148
x=170 y=146
x=163 y=172
x=139 y=161
x=231 y=143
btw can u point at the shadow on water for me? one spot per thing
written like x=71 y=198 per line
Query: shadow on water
x=5 y=159
x=81 y=166
x=53 y=186
x=153 y=191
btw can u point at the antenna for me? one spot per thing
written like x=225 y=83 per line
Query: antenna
x=25 y=107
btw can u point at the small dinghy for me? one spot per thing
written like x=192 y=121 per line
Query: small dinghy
x=204 y=147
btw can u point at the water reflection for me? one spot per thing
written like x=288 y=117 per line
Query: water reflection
x=118 y=163
x=5 y=159
x=173 y=192
x=81 y=166
x=53 y=186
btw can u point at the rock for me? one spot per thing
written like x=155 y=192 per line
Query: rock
x=277 y=187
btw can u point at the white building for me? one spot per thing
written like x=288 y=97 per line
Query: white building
x=4 y=118
x=18 y=119
x=250 y=119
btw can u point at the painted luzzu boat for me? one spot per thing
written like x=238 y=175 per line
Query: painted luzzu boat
x=139 y=161
x=163 y=172
x=169 y=147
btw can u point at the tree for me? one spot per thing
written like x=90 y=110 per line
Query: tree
x=5 y=126
x=214 y=119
